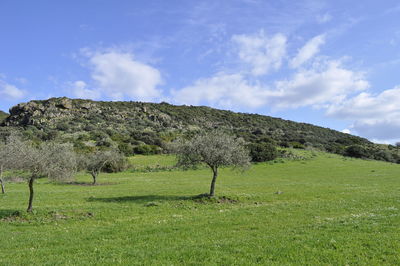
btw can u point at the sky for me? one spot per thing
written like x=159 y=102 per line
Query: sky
x=332 y=63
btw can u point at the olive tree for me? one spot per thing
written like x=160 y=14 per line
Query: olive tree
x=4 y=163
x=214 y=149
x=94 y=162
x=55 y=161
x=8 y=160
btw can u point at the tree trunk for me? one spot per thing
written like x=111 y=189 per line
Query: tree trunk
x=94 y=175
x=30 y=183
x=215 y=174
x=3 y=190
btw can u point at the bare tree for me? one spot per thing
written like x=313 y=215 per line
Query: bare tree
x=55 y=161
x=215 y=149
x=95 y=162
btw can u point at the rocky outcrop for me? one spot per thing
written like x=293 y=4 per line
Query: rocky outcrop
x=52 y=112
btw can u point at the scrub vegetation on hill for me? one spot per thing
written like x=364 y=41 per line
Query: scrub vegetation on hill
x=147 y=128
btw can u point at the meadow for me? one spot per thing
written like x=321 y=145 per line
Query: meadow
x=322 y=210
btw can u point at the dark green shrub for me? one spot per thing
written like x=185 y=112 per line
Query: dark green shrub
x=126 y=148
x=262 y=152
x=356 y=151
x=297 y=145
x=119 y=165
x=284 y=144
x=147 y=149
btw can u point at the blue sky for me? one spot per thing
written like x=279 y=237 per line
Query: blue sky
x=329 y=63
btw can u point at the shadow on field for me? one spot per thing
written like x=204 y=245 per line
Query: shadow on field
x=141 y=199
x=8 y=213
x=85 y=184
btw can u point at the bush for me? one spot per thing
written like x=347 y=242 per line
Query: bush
x=126 y=148
x=262 y=152
x=356 y=151
x=297 y=145
x=147 y=149
x=119 y=165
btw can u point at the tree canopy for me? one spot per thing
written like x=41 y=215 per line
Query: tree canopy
x=214 y=149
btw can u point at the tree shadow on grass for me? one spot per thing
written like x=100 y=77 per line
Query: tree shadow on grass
x=84 y=184
x=5 y=214
x=140 y=199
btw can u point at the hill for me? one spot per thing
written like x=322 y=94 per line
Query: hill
x=137 y=127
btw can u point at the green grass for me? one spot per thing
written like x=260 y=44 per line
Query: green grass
x=155 y=162
x=331 y=211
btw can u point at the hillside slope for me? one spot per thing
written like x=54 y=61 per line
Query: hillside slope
x=130 y=125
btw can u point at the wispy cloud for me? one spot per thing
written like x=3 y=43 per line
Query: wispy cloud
x=222 y=90
x=80 y=90
x=118 y=76
x=376 y=116
x=10 y=91
x=308 y=51
x=324 y=83
x=261 y=52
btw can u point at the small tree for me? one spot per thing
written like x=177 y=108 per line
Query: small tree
x=94 y=162
x=215 y=149
x=55 y=161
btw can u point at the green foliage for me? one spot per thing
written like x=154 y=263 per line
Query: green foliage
x=214 y=149
x=117 y=165
x=296 y=145
x=262 y=152
x=356 y=151
x=145 y=149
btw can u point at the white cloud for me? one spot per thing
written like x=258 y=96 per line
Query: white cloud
x=324 y=84
x=80 y=90
x=376 y=116
x=308 y=51
x=10 y=92
x=118 y=76
x=346 y=130
x=222 y=90
x=261 y=52
x=329 y=82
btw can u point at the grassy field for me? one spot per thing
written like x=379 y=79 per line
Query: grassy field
x=329 y=211
x=154 y=162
